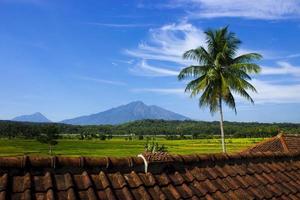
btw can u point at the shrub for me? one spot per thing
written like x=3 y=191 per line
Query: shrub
x=141 y=137
x=102 y=137
x=152 y=147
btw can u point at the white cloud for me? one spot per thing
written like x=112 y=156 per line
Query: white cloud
x=272 y=55
x=144 y=69
x=176 y=91
x=97 y=80
x=169 y=42
x=284 y=68
x=267 y=92
x=112 y=25
x=129 y=61
x=275 y=93
x=263 y=9
x=296 y=55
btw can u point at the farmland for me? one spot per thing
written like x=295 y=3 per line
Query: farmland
x=118 y=146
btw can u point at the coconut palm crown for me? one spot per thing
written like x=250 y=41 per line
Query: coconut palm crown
x=220 y=72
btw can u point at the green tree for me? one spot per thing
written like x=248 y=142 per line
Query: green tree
x=219 y=72
x=49 y=136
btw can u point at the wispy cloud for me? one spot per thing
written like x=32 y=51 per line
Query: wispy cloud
x=176 y=91
x=129 y=62
x=263 y=9
x=276 y=93
x=277 y=55
x=115 y=25
x=284 y=68
x=168 y=43
x=267 y=92
x=144 y=69
x=296 y=55
x=97 y=80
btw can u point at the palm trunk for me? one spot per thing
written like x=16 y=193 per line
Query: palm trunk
x=221 y=126
x=50 y=150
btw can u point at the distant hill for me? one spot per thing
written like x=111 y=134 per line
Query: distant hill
x=35 y=117
x=130 y=112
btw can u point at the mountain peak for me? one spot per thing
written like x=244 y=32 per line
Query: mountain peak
x=132 y=111
x=35 y=117
x=37 y=114
x=136 y=103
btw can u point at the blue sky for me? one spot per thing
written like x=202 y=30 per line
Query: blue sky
x=70 y=58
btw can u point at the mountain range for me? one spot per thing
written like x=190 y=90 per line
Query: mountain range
x=136 y=110
x=35 y=117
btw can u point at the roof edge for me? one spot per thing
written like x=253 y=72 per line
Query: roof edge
x=132 y=163
x=276 y=137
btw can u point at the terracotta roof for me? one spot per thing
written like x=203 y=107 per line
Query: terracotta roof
x=279 y=143
x=217 y=176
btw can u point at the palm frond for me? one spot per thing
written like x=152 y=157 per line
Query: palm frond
x=245 y=94
x=200 y=55
x=245 y=58
x=192 y=71
x=220 y=72
x=230 y=101
x=247 y=67
x=196 y=85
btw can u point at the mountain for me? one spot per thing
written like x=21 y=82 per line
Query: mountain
x=35 y=117
x=133 y=111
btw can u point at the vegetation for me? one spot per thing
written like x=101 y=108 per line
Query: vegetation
x=219 y=73
x=49 y=136
x=170 y=129
x=184 y=137
x=152 y=146
x=118 y=146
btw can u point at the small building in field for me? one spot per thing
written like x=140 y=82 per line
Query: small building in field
x=152 y=176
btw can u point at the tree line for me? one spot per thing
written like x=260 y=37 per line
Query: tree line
x=170 y=129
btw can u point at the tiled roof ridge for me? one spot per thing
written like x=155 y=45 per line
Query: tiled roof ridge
x=288 y=134
x=281 y=138
x=76 y=162
x=271 y=139
x=131 y=163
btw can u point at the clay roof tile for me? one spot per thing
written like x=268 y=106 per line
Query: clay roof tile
x=141 y=193
x=176 y=178
x=3 y=182
x=156 y=193
x=133 y=179
x=279 y=143
x=227 y=176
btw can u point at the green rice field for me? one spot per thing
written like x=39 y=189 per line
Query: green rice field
x=119 y=147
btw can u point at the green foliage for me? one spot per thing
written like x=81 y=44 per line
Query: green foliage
x=140 y=137
x=102 y=137
x=194 y=129
x=219 y=72
x=153 y=146
x=49 y=136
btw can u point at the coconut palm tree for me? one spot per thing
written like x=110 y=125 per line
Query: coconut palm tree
x=220 y=72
